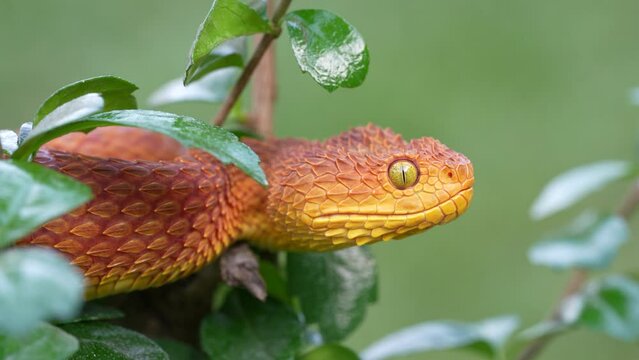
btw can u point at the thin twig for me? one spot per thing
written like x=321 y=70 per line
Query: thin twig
x=261 y=49
x=630 y=203
x=579 y=278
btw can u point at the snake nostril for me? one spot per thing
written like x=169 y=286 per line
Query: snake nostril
x=450 y=174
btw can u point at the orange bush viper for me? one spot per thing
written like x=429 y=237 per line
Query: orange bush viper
x=161 y=212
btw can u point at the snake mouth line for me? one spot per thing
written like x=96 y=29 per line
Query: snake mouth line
x=465 y=193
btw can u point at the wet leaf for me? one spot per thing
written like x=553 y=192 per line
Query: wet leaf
x=87 y=97
x=8 y=142
x=99 y=340
x=594 y=246
x=330 y=351
x=188 y=131
x=227 y=19
x=328 y=48
x=568 y=188
x=213 y=88
x=31 y=195
x=46 y=342
x=487 y=336
x=36 y=284
x=334 y=288
x=247 y=329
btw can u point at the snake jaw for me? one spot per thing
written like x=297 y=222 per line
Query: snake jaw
x=362 y=229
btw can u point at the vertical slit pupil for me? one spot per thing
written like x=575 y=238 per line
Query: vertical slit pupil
x=404 y=175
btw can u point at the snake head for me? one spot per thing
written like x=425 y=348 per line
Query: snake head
x=362 y=186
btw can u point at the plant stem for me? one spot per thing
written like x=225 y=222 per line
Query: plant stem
x=579 y=278
x=261 y=49
x=264 y=89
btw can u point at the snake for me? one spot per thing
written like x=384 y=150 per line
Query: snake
x=161 y=212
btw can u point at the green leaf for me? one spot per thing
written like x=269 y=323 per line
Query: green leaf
x=258 y=5
x=87 y=97
x=25 y=130
x=213 y=62
x=330 y=351
x=488 y=337
x=228 y=54
x=31 y=195
x=94 y=312
x=568 y=188
x=36 y=284
x=609 y=305
x=247 y=329
x=328 y=48
x=593 y=246
x=564 y=319
x=8 y=142
x=46 y=342
x=242 y=131
x=275 y=283
x=213 y=88
x=99 y=340
x=188 y=131
x=227 y=19
x=334 y=288
x=612 y=307
x=179 y=351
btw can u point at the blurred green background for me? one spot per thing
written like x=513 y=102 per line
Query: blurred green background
x=526 y=89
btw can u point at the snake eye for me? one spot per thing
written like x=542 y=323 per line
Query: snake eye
x=403 y=174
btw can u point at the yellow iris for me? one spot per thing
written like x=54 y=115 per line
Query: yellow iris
x=403 y=174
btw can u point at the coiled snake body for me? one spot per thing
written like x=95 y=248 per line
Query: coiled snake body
x=161 y=212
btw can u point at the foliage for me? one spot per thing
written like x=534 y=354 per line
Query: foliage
x=31 y=195
x=570 y=187
x=105 y=341
x=189 y=131
x=36 y=284
x=328 y=48
x=227 y=19
x=46 y=342
x=591 y=242
x=488 y=337
x=212 y=88
x=330 y=351
x=8 y=142
x=247 y=329
x=344 y=282
x=86 y=97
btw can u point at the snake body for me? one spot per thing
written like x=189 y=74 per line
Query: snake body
x=161 y=212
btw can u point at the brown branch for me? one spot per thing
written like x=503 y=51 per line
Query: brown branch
x=250 y=68
x=579 y=278
x=264 y=89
